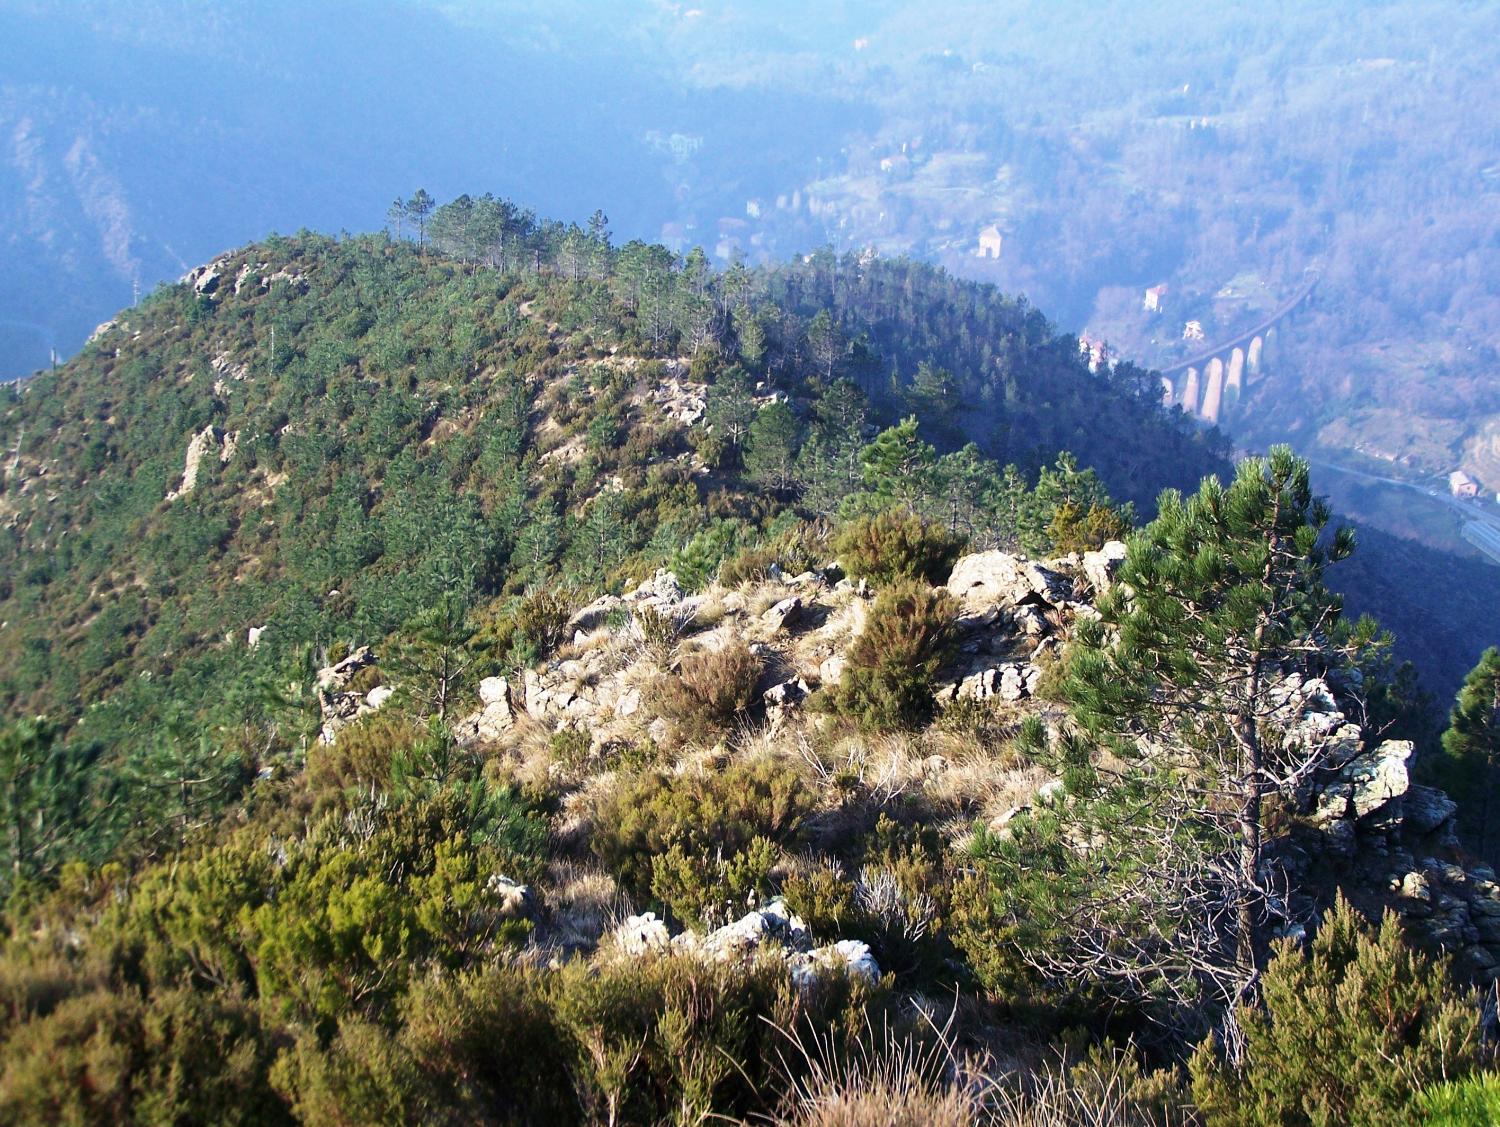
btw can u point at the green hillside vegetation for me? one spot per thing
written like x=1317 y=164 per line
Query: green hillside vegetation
x=433 y=460
x=474 y=420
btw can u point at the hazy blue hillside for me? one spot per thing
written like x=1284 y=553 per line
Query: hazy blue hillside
x=139 y=139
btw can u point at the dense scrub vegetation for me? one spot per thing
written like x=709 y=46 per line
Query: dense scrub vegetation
x=427 y=466
x=385 y=427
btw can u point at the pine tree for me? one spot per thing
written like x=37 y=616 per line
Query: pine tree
x=418 y=208
x=1470 y=766
x=826 y=342
x=771 y=454
x=898 y=465
x=1176 y=747
x=40 y=795
x=965 y=482
x=731 y=411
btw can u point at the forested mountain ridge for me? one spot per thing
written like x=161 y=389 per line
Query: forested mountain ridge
x=492 y=675
x=355 y=409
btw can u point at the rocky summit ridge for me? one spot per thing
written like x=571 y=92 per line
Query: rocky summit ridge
x=1363 y=825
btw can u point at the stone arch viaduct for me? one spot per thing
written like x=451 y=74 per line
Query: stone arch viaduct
x=1208 y=384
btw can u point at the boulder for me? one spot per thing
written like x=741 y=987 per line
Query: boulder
x=1378 y=777
x=787 y=694
x=849 y=957
x=593 y=615
x=253 y=636
x=513 y=901
x=772 y=924
x=1428 y=810
x=497 y=713
x=340 y=673
x=986 y=579
x=1101 y=567
x=377 y=697
x=831 y=671
x=662 y=589
x=784 y=615
x=642 y=935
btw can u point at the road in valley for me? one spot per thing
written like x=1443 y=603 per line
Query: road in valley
x=1481 y=525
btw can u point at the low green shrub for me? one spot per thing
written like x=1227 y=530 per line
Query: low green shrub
x=800 y=548
x=889 y=670
x=707 y=815
x=180 y=1056
x=893 y=546
x=360 y=757
x=475 y=1047
x=1349 y=1031
x=1474 y=1102
x=676 y=1039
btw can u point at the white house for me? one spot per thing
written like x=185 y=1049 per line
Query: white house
x=1461 y=484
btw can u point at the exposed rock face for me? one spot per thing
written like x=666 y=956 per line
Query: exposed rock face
x=683 y=400
x=784 y=615
x=496 y=715
x=210 y=438
x=1390 y=842
x=770 y=928
x=998 y=579
x=204 y=279
x=198 y=446
x=784 y=699
x=1361 y=823
x=1101 y=567
x=340 y=706
x=1010 y=681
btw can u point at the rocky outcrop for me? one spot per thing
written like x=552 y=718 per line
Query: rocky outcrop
x=998 y=579
x=340 y=706
x=1009 y=681
x=1101 y=567
x=204 y=279
x=209 y=439
x=770 y=929
x=1389 y=843
x=496 y=715
x=784 y=615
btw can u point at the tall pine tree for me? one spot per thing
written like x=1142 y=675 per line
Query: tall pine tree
x=1154 y=879
x=1470 y=767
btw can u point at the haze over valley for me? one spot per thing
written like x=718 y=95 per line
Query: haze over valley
x=826 y=565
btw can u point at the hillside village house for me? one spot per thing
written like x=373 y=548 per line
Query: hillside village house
x=1154 y=298
x=1096 y=351
x=1193 y=330
x=1461 y=484
x=990 y=242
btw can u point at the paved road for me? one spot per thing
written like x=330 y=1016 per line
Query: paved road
x=1481 y=526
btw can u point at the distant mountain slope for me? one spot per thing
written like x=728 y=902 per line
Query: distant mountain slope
x=302 y=435
x=139 y=138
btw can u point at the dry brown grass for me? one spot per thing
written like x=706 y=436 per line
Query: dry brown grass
x=896 y=1080
x=585 y=904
